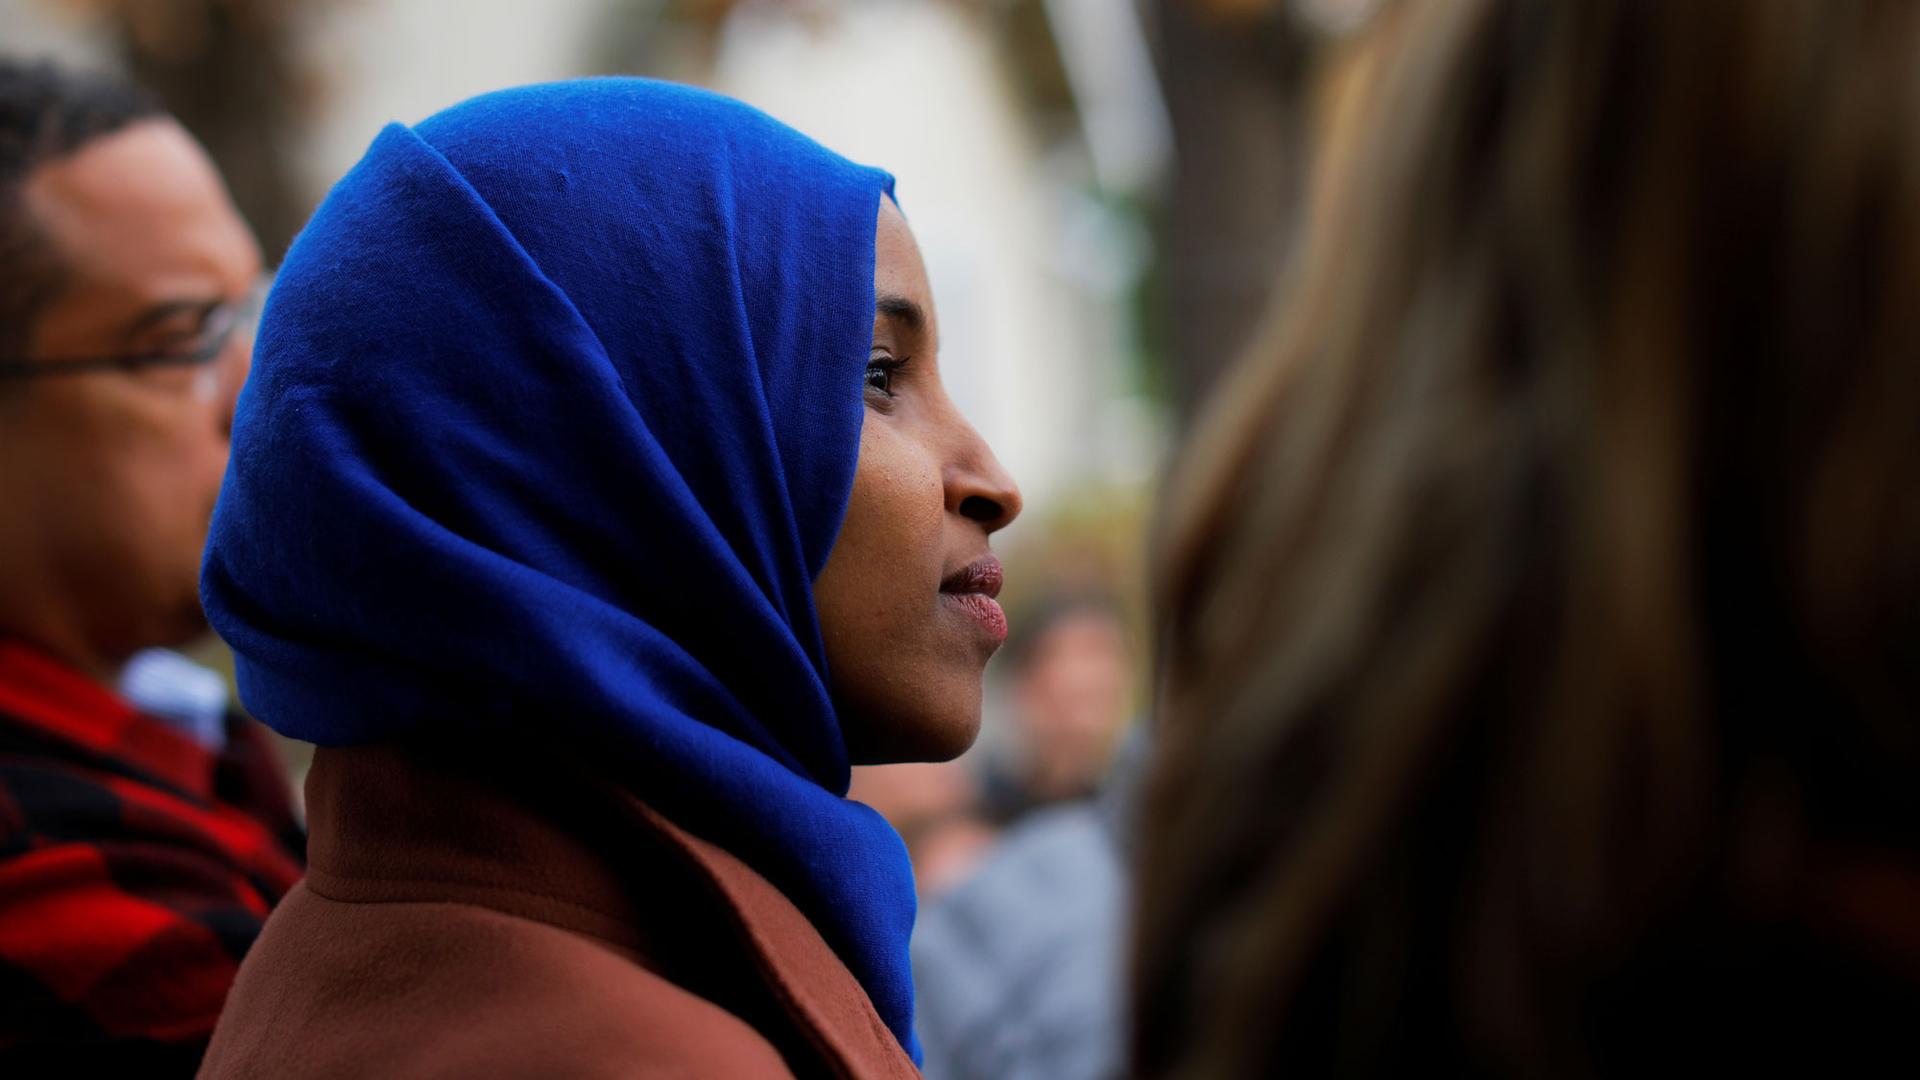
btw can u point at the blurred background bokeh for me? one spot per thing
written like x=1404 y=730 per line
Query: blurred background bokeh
x=1104 y=191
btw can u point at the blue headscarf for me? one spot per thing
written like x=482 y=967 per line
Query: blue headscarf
x=552 y=423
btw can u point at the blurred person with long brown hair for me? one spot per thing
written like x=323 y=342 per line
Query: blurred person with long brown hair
x=1541 y=598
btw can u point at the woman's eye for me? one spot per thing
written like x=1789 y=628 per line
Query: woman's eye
x=880 y=373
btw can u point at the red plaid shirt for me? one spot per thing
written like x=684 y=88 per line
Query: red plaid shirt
x=136 y=868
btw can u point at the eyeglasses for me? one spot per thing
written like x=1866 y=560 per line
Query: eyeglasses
x=216 y=331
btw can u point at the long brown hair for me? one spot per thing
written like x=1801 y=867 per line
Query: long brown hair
x=1541 y=598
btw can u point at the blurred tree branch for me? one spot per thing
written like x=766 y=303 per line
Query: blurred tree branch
x=234 y=74
x=1235 y=75
x=1239 y=78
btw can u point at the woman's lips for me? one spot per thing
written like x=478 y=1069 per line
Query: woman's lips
x=985 y=610
x=972 y=589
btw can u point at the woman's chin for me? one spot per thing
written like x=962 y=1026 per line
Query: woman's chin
x=897 y=736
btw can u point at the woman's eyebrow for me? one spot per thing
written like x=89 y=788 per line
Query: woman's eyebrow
x=908 y=313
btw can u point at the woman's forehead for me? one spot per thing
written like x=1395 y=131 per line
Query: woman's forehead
x=899 y=273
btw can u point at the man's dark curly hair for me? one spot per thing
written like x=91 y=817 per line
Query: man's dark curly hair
x=46 y=112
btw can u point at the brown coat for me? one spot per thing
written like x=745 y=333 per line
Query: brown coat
x=455 y=924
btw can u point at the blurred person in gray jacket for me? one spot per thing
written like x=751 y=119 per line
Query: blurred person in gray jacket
x=1018 y=971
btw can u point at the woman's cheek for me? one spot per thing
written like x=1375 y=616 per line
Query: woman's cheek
x=908 y=494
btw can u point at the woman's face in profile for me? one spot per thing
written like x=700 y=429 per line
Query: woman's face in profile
x=905 y=600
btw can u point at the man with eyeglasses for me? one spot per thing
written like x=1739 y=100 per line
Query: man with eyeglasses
x=144 y=828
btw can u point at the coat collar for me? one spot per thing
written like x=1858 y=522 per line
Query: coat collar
x=545 y=840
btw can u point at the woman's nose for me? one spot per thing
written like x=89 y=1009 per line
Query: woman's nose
x=979 y=487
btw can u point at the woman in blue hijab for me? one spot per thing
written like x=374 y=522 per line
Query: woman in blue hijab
x=594 y=505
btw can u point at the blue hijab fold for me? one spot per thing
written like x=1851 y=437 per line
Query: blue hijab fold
x=552 y=423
